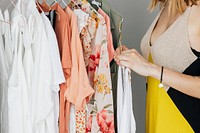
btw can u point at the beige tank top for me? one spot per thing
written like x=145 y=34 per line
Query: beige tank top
x=172 y=49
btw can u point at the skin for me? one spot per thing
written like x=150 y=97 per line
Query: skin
x=130 y=58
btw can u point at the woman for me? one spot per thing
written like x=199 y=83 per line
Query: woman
x=171 y=62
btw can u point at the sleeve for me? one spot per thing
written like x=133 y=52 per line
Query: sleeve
x=79 y=90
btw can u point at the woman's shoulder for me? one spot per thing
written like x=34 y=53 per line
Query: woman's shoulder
x=196 y=11
x=194 y=24
x=195 y=16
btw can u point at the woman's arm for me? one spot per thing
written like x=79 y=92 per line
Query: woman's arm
x=189 y=85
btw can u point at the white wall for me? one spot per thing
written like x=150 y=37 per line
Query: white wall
x=136 y=22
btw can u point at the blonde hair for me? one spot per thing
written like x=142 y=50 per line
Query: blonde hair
x=174 y=5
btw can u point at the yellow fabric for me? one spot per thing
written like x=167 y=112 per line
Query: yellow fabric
x=162 y=115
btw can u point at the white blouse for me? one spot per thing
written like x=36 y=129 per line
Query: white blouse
x=125 y=116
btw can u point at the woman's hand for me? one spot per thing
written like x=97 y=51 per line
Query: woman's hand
x=132 y=59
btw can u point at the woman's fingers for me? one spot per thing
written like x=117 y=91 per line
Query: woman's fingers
x=124 y=48
x=124 y=57
x=120 y=49
x=125 y=63
x=129 y=51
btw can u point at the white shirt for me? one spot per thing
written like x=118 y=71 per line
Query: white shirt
x=41 y=104
x=125 y=116
x=57 y=72
x=31 y=84
x=3 y=79
x=8 y=40
x=17 y=85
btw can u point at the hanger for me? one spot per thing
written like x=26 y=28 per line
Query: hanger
x=8 y=22
x=44 y=2
x=12 y=3
x=3 y=21
x=73 y=4
x=38 y=5
x=63 y=2
x=54 y=1
x=120 y=36
x=94 y=2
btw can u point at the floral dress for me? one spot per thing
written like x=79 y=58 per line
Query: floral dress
x=87 y=30
x=100 y=109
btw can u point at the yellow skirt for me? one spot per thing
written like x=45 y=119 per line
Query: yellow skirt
x=162 y=115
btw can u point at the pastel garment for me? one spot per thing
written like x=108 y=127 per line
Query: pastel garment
x=63 y=34
x=125 y=116
x=166 y=109
x=100 y=109
x=109 y=34
x=79 y=90
x=87 y=29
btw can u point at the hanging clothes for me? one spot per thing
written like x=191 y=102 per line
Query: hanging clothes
x=4 y=67
x=63 y=34
x=34 y=79
x=53 y=76
x=125 y=116
x=52 y=17
x=41 y=103
x=100 y=110
x=115 y=25
x=86 y=35
x=87 y=30
x=8 y=40
x=72 y=122
x=79 y=91
x=5 y=27
x=58 y=76
x=109 y=34
x=17 y=86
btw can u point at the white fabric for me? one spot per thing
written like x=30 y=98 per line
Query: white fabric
x=125 y=116
x=8 y=58
x=72 y=123
x=41 y=104
x=34 y=80
x=18 y=118
x=3 y=80
x=82 y=18
x=8 y=40
x=57 y=72
x=17 y=85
